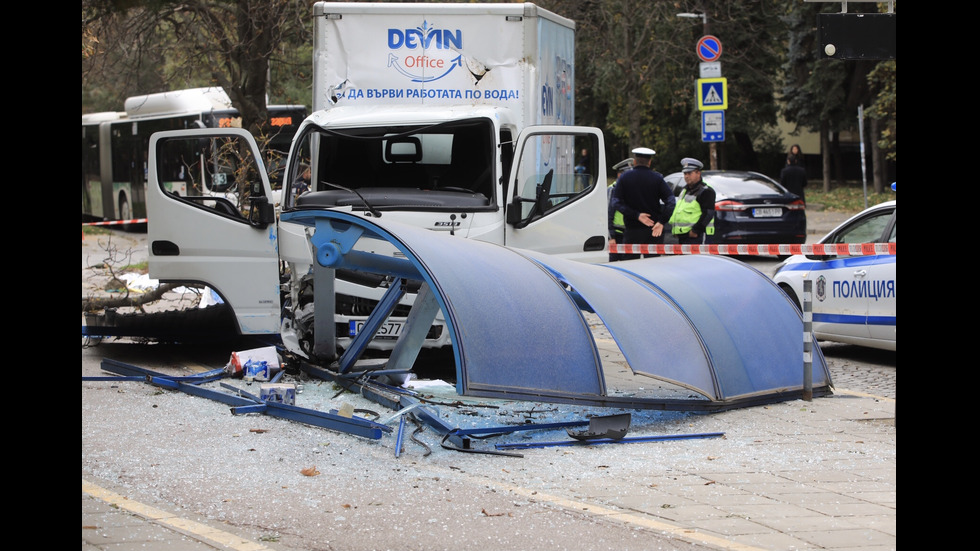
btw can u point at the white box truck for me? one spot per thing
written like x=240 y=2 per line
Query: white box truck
x=458 y=118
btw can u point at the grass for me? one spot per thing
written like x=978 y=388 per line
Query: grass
x=139 y=267
x=94 y=230
x=848 y=198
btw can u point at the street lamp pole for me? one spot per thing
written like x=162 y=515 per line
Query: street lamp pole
x=713 y=146
x=702 y=16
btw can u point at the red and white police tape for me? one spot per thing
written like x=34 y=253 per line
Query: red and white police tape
x=116 y=222
x=840 y=249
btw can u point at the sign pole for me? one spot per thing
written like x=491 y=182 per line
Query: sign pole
x=864 y=170
x=709 y=50
x=713 y=146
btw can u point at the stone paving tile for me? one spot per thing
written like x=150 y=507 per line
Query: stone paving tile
x=772 y=540
x=809 y=523
x=851 y=509
x=686 y=514
x=730 y=526
x=836 y=539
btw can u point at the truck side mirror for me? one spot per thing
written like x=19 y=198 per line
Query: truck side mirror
x=514 y=211
x=542 y=202
x=542 y=193
x=261 y=212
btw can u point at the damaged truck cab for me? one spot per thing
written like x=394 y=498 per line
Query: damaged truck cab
x=456 y=118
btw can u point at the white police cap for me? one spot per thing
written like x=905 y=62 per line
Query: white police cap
x=690 y=165
x=644 y=152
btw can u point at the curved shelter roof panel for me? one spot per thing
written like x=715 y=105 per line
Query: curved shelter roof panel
x=653 y=332
x=515 y=331
x=710 y=324
x=753 y=333
x=514 y=327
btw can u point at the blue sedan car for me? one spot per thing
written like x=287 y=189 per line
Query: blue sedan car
x=853 y=297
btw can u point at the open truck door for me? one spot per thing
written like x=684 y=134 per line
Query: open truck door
x=230 y=245
x=553 y=207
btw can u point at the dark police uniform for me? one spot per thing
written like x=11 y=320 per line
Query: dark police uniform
x=639 y=190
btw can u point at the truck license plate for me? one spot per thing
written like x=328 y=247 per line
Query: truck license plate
x=387 y=329
x=767 y=213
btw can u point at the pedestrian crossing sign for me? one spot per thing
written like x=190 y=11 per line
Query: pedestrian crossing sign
x=712 y=94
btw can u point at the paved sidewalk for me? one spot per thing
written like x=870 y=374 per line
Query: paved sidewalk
x=796 y=475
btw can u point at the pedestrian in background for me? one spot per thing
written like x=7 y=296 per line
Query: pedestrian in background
x=582 y=169
x=793 y=176
x=693 y=220
x=645 y=200
x=302 y=183
x=614 y=217
x=584 y=164
x=795 y=150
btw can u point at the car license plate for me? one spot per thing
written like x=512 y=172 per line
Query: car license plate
x=767 y=212
x=387 y=329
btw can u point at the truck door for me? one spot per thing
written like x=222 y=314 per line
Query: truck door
x=227 y=242
x=555 y=204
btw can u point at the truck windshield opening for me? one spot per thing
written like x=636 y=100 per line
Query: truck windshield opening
x=440 y=166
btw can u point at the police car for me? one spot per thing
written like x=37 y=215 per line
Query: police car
x=852 y=297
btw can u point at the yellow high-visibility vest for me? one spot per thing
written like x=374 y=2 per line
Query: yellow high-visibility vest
x=687 y=211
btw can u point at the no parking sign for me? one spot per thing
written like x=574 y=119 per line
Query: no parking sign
x=709 y=48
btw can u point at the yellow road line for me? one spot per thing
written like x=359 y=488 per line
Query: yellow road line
x=185 y=526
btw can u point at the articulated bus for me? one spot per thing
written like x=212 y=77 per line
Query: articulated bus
x=115 y=147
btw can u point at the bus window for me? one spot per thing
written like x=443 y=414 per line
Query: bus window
x=115 y=152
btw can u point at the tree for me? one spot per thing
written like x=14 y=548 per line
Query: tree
x=156 y=45
x=629 y=57
x=823 y=94
x=636 y=70
x=882 y=82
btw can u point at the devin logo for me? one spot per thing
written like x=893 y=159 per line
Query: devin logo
x=430 y=53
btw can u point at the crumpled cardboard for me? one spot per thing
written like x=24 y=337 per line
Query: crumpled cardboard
x=254 y=359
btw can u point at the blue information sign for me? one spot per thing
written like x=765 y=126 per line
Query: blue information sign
x=712 y=126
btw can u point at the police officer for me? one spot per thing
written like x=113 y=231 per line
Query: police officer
x=614 y=217
x=645 y=200
x=693 y=219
